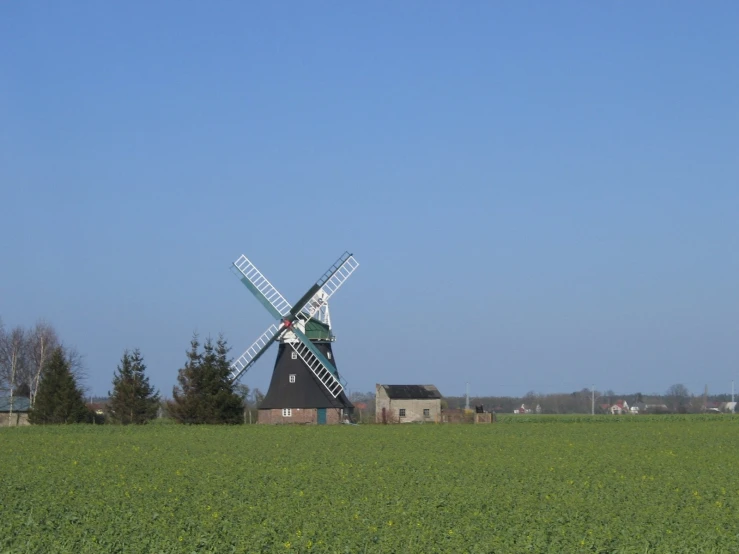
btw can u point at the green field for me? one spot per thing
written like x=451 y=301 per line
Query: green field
x=629 y=484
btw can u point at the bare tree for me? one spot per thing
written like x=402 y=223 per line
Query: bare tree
x=3 y=339
x=257 y=396
x=76 y=364
x=13 y=358
x=42 y=340
x=243 y=391
x=677 y=397
x=25 y=353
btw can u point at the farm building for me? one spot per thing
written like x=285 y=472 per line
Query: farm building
x=21 y=405
x=407 y=403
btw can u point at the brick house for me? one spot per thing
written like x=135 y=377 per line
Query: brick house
x=407 y=403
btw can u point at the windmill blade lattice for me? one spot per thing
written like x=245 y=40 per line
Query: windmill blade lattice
x=265 y=292
x=317 y=363
x=288 y=316
x=328 y=284
x=252 y=354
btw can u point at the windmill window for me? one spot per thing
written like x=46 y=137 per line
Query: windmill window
x=426 y=412
x=329 y=355
x=294 y=355
x=401 y=412
x=292 y=377
x=287 y=412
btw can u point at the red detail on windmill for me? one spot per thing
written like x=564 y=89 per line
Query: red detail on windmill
x=287 y=323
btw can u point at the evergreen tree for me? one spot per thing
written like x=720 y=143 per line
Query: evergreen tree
x=205 y=393
x=59 y=399
x=230 y=404
x=23 y=390
x=133 y=400
x=186 y=397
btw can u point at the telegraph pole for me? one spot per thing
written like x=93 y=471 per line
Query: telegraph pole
x=592 y=400
x=467 y=396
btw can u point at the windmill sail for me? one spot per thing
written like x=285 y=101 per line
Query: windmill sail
x=260 y=287
x=326 y=286
x=317 y=363
x=252 y=354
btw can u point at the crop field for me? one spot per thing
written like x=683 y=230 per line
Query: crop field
x=530 y=484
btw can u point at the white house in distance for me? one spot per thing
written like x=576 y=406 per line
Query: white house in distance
x=407 y=403
x=620 y=407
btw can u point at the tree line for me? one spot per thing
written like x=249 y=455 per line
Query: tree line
x=36 y=365
x=676 y=399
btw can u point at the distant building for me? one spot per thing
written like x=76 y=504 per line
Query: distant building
x=620 y=407
x=643 y=408
x=656 y=408
x=19 y=416
x=407 y=403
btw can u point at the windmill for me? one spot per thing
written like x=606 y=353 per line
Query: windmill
x=305 y=386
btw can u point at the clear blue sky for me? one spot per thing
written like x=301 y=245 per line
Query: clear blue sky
x=542 y=195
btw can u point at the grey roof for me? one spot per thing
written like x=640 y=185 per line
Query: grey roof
x=407 y=392
x=20 y=404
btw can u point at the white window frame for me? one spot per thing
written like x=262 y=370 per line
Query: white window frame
x=292 y=378
x=401 y=412
x=294 y=355
x=287 y=412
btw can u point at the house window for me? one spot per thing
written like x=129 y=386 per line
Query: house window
x=292 y=377
x=294 y=355
x=426 y=412
x=287 y=412
x=401 y=412
x=328 y=354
